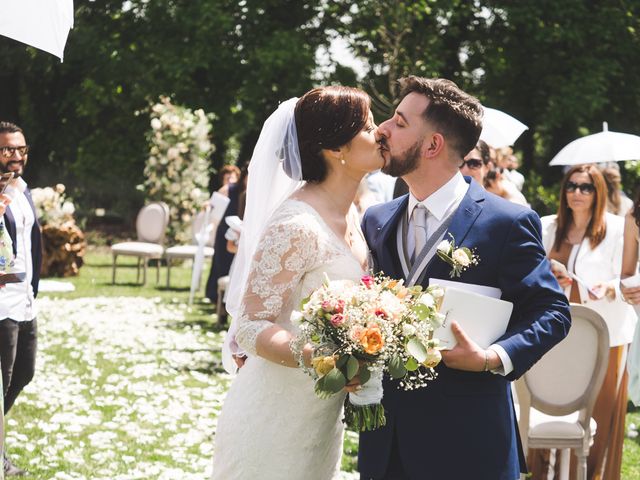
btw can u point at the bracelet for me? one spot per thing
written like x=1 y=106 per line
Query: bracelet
x=486 y=361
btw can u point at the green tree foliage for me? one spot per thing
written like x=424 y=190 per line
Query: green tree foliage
x=87 y=117
x=560 y=67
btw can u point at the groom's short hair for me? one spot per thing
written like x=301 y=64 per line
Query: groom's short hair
x=456 y=114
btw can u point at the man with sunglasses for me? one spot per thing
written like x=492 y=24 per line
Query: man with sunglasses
x=18 y=328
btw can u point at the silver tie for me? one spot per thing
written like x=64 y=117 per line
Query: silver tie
x=419 y=215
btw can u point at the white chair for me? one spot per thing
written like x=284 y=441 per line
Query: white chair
x=188 y=252
x=151 y=226
x=556 y=396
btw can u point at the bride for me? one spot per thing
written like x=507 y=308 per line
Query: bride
x=298 y=227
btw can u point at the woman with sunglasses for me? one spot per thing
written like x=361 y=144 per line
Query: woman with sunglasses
x=584 y=243
x=631 y=294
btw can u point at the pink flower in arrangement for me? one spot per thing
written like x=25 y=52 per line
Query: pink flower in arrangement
x=327 y=306
x=339 y=308
x=337 y=319
x=380 y=313
x=368 y=280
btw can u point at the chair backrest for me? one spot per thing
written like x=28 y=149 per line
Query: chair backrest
x=198 y=226
x=152 y=222
x=569 y=376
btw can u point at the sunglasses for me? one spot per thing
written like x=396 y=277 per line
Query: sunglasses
x=472 y=163
x=8 y=152
x=585 y=188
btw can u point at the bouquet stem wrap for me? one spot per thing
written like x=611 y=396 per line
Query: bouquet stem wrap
x=363 y=409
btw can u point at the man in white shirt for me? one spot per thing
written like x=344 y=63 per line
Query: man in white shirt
x=18 y=328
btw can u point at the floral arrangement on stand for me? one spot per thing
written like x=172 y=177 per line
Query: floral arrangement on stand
x=63 y=241
x=377 y=326
x=177 y=169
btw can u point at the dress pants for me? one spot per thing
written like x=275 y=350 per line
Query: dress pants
x=18 y=345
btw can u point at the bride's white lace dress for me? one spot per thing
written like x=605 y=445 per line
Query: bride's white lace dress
x=272 y=425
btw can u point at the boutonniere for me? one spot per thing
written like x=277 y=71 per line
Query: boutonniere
x=460 y=258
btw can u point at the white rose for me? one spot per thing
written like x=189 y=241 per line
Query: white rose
x=408 y=330
x=444 y=246
x=68 y=208
x=437 y=292
x=437 y=320
x=461 y=257
x=156 y=124
x=427 y=300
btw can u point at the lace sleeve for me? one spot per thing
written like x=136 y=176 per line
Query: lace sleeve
x=288 y=249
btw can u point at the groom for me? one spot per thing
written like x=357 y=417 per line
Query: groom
x=461 y=425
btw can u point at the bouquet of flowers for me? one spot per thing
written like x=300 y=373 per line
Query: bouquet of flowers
x=367 y=329
x=7 y=258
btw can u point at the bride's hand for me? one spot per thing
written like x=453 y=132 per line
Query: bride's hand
x=354 y=385
x=239 y=359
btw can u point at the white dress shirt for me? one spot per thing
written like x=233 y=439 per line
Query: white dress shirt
x=16 y=299
x=440 y=204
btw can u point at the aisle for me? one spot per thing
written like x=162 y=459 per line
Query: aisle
x=123 y=390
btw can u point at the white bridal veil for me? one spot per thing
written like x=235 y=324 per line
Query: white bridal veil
x=275 y=153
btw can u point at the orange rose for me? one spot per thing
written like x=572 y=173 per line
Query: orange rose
x=371 y=340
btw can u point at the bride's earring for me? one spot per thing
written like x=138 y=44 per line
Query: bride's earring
x=342 y=160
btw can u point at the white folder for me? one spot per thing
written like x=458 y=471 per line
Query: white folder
x=483 y=319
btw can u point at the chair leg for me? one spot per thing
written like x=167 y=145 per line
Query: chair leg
x=158 y=272
x=581 y=470
x=220 y=310
x=138 y=269
x=144 y=271
x=113 y=273
x=168 y=272
x=565 y=463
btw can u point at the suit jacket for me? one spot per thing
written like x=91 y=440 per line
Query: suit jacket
x=601 y=264
x=463 y=425
x=36 y=240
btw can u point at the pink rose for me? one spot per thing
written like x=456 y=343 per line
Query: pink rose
x=340 y=306
x=367 y=280
x=337 y=320
x=327 y=306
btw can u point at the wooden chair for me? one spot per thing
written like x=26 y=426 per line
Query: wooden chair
x=188 y=252
x=556 y=396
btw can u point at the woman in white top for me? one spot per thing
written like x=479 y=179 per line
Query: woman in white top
x=588 y=241
x=630 y=259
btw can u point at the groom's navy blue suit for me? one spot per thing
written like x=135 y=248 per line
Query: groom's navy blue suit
x=462 y=425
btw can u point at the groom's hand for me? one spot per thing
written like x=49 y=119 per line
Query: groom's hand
x=467 y=355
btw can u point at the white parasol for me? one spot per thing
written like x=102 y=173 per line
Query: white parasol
x=604 y=146
x=42 y=24
x=500 y=129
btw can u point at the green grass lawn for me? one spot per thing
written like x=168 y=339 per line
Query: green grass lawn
x=129 y=382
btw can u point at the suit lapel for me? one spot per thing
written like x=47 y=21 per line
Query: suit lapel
x=463 y=219
x=385 y=245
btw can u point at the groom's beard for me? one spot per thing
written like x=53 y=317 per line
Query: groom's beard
x=404 y=164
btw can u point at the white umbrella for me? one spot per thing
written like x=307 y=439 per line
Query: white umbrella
x=600 y=147
x=43 y=24
x=500 y=129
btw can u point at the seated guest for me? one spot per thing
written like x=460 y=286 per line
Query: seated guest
x=495 y=182
x=630 y=258
x=222 y=258
x=477 y=162
x=617 y=202
x=585 y=241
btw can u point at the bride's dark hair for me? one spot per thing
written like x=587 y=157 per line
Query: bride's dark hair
x=327 y=118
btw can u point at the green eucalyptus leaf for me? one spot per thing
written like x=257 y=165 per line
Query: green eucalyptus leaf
x=417 y=350
x=397 y=368
x=334 y=381
x=364 y=375
x=411 y=364
x=422 y=311
x=352 y=367
x=342 y=361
